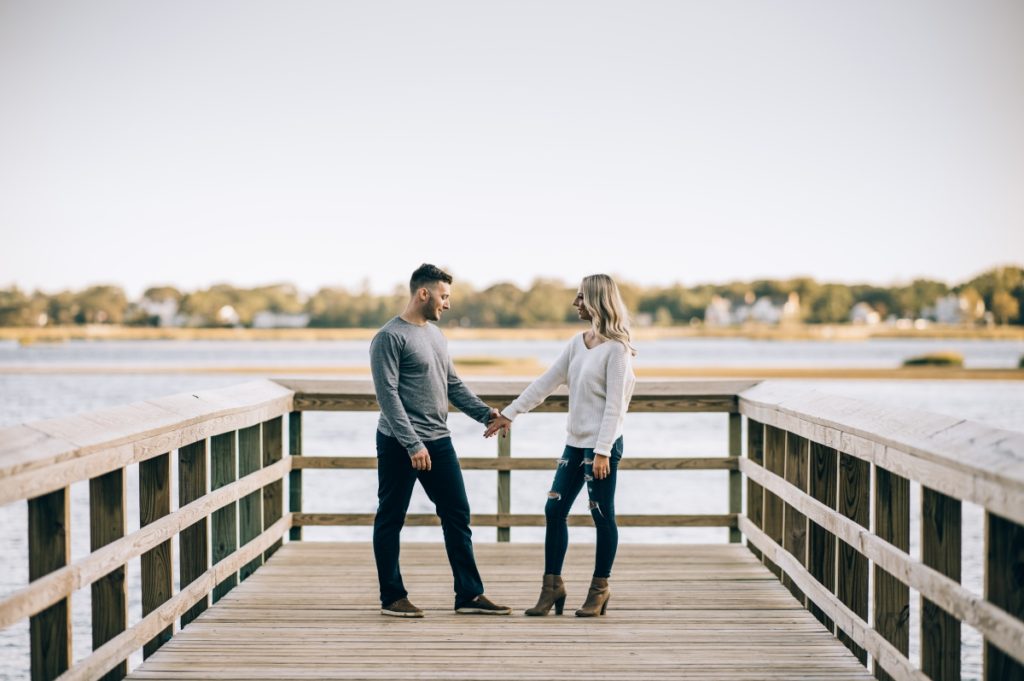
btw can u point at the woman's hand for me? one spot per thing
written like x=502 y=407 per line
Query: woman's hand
x=497 y=423
x=602 y=466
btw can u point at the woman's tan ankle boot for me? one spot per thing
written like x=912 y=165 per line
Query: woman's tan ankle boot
x=552 y=593
x=597 y=598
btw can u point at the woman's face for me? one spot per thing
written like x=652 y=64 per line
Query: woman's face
x=581 y=309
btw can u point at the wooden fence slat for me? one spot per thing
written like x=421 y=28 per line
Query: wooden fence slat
x=852 y=577
x=224 y=521
x=49 y=548
x=774 y=461
x=504 y=484
x=110 y=592
x=194 y=557
x=273 y=493
x=755 y=493
x=940 y=550
x=295 y=475
x=250 y=507
x=892 y=597
x=823 y=485
x=1004 y=587
x=735 y=477
x=794 y=538
x=157 y=563
x=533 y=463
x=521 y=520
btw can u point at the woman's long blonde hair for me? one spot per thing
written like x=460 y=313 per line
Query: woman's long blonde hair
x=608 y=313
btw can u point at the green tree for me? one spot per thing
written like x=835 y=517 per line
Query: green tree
x=1005 y=307
x=101 y=305
x=832 y=305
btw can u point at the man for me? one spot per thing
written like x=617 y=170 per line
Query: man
x=414 y=380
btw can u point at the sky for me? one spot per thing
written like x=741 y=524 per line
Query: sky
x=344 y=143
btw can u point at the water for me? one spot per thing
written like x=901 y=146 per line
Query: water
x=26 y=396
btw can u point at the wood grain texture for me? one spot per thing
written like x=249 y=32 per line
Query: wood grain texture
x=892 y=596
x=49 y=549
x=521 y=520
x=674 y=614
x=940 y=549
x=1004 y=587
x=522 y=463
x=295 y=476
x=110 y=592
x=852 y=575
x=250 y=507
x=223 y=521
x=823 y=486
x=157 y=564
x=194 y=558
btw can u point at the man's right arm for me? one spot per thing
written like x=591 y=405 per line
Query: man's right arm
x=385 y=358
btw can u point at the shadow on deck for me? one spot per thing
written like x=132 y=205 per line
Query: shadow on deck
x=677 y=611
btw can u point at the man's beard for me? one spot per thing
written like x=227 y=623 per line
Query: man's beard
x=431 y=312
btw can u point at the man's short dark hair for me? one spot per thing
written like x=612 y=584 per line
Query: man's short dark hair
x=427 y=274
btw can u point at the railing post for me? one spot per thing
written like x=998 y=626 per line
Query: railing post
x=892 y=597
x=110 y=592
x=852 y=577
x=940 y=550
x=504 y=485
x=794 y=538
x=49 y=549
x=774 y=462
x=224 y=522
x=823 y=485
x=192 y=541
x=295 y=476
x=156 y=564
x=273 y=493
x=735 y=477
x=755 y=493
x=1004 y=587
x=250 y=507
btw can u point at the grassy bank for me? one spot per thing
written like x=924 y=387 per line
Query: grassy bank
x=822 y=332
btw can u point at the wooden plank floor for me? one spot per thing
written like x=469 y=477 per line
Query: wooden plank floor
x=690 y=611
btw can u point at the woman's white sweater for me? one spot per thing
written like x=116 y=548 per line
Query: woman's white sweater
x=600 y=381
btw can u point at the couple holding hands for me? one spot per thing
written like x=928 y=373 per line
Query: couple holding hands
x=414 y=380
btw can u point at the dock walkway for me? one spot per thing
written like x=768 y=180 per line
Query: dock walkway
x=677 y=611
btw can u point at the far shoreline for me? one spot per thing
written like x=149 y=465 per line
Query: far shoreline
x=794 y=332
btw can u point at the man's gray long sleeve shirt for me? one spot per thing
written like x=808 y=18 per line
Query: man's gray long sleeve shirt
x=415 y=381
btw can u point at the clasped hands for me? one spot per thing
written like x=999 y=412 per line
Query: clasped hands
x=497 y=422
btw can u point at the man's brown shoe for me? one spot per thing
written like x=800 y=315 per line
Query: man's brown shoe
x=482 y=606
x=401 y=608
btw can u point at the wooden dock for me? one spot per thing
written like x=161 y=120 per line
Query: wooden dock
x=693 y=612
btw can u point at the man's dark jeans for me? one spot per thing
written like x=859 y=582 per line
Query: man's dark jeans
x=444 y=486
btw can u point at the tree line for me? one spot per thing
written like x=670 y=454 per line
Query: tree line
x=545 y=303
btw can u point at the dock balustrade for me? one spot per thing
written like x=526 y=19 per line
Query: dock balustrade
x=825 y=481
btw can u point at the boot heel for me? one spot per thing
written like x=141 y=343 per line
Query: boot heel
x=604 y=607
x=559 y=605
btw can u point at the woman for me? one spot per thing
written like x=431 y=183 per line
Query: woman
x=597 y=367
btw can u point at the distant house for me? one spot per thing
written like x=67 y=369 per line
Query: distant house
x=954 y=309
x=765 y=311
x=279 y=320
x=863 y=314
x=718 y=312
x=165 y=311
x=228 y=316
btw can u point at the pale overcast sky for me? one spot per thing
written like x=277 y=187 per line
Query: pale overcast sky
x=340 y=142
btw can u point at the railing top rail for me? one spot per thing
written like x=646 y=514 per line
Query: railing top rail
x=649 y=394
x=964 y=459
x=42 y=456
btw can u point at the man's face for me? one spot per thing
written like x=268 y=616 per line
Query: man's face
x=436 y=301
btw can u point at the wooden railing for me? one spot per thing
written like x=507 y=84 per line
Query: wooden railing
x=815 y=467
